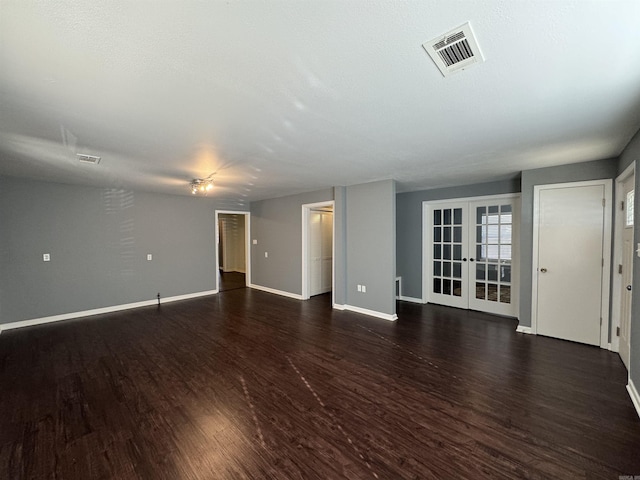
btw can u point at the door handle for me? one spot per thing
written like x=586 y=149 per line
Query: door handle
x=464 y=259
x=471 y=259
x=629 y=287
x=543 y=270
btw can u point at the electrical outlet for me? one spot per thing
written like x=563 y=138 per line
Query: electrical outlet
x=46 y=257
x=364 y=289
x=255 y=242
x=149 y=257
x=359 y=288
x=266 y=254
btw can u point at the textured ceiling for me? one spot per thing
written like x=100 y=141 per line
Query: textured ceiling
x=278 y=97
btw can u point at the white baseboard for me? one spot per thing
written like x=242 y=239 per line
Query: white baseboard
x=98 y=311
x=409 y=299
x=277 y=292
x=523 y=329
x=635 y=397
x=366 y=311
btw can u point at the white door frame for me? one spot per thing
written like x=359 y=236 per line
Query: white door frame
x=306 y=269
x=247 y=242
x=606 y=253
x=616 y=291
x=427 y=264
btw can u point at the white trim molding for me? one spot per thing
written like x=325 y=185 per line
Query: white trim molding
x=366 y=311
x=635 y=397
x=523 y=329
x=275 y=291
x=409 y=299
x=99 y=311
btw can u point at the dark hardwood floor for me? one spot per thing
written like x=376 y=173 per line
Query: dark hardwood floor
x=246 y=384
x=232 y=281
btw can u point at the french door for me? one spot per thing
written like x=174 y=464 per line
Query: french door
x=470 y=260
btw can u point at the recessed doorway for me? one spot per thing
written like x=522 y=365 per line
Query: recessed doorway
x=232 y=262
x=317 y=249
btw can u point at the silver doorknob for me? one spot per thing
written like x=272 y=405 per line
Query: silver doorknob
x=543 y=270
x=629 y=287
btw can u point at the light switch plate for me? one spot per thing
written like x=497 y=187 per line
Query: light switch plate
x=149 y=256
x=46 y=257
x=266 y=254
x=255 y=242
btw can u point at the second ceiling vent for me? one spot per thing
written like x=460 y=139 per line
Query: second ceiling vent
x=455 y=50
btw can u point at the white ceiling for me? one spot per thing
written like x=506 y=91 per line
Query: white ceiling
x=278 y=97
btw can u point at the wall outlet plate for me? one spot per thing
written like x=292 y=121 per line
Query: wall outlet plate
x=149 y=257
x=46 y=257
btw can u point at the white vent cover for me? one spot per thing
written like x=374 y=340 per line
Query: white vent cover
x=88 y=158
x=455 y=50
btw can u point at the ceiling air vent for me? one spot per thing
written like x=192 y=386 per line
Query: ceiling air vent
x=88 y=158
x=455 y=50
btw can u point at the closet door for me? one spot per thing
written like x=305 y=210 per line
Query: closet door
x=447 y=268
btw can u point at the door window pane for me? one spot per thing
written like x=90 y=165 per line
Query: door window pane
x=447 y=234
x=447 y=217
x=505 y=294
x=492 y=273
x=457 y=288
x=437 y=217
x=437 y=251
x=446 y=286
x=481 y=234
x=446 y=269
x=492 y=234
x=505 y=273
x=457 y=234
x=457 y=252
x=493 y=252
x=481 y=215
x=480 y=271
x=505 y=252
x=505 y=233
x=480 y=290
x=457 y=216
x=437 y=268
x=446 y=252
x=492 y=292
x=629 y=206
x=437 y=234
x=457 y=270
x=437 y=288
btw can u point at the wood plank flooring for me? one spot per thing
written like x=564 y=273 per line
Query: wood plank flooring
x=246 y=384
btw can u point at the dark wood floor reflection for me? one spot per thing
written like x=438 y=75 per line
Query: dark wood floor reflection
x=252 y=385
x=232 y=281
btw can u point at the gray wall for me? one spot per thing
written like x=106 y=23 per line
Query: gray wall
x=371 y=245
x=577 y=172
x=98 y=240
x=630 y=154
x=277 y=226
x=409 y=226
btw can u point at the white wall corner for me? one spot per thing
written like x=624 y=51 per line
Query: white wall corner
x=295 y=296
x=523 y=329
x=635 y=397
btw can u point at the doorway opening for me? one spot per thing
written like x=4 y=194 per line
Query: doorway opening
x=623 y=264
x=317 y=249
x=233 y=269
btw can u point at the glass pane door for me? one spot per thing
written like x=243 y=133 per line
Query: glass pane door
x=492 y=253
x=448 y=252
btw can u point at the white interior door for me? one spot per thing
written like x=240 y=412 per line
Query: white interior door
x=471 y=258
x=627 y=269
x=570 y=257
x=447 y=268
x=493 y=233
x=320 y=252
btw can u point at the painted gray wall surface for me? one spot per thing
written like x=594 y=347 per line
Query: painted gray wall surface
x=577 y=172
x=371 y=246
x=632 y=153
x=277 y=226
x=409 y=226
x=98 y=240
x=340 y=245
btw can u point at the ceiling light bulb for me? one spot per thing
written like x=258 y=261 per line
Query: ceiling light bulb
x=209 y=186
